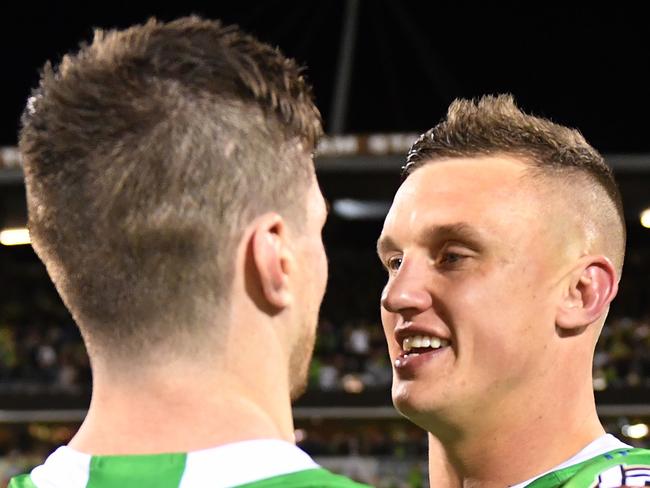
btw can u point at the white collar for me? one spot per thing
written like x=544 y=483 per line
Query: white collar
x=228 y=465
x=605 y=443
x=244 y=462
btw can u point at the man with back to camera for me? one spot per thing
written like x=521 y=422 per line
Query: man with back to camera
x=504 y=247
x=172 y=197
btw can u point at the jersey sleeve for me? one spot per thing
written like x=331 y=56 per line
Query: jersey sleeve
x=22 y=481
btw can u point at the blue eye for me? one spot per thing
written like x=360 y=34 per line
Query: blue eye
x=394 y=263
x=450 y=258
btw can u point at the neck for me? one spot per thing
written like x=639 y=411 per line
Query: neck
x=515 y=445
x=181 y=407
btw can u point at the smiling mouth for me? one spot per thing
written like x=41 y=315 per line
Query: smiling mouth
x=415 y=346
x=420 y=344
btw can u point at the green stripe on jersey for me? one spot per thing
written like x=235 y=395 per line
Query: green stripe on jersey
x=120 y=475
x=22 y=481
x=139 y=471
x=168 y=470
x=309 y=478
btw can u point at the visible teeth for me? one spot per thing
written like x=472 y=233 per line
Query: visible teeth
x=423 y=341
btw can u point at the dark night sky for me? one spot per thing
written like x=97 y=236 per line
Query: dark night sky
x=585 y=67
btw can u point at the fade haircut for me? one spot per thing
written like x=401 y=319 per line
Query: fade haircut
x=146 y=153
x=494 y=125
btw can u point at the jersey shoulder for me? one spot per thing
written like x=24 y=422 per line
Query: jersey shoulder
x=316 y=478
x=614 y=469
x=623 y=467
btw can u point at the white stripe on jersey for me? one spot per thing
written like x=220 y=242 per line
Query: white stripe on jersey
x=243 y=462
x=63 y=464
x=612 y=478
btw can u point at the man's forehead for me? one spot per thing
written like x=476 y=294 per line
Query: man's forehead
x=461 y=185
x=485 y=172
x=478 y=192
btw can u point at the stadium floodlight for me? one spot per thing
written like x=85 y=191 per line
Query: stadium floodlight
x=635 y=431
x=14 y=237
x=645 y=218
x=351 y=209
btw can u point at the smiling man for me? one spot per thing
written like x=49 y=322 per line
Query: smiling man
x=504 y=248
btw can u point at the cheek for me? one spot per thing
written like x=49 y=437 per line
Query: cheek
x=504 y=298
x=491 y=318
x=504 y=327
x=495 y=352
x=505 y=362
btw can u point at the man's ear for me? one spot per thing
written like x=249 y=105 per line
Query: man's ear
x=272 y=259
x=593 y=285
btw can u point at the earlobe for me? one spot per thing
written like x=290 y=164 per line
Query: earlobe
x=271 y=257
x=592 y=287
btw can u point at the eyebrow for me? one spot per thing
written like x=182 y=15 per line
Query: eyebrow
x=385 y=244
x=461 y=231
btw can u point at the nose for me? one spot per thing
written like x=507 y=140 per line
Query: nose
x=407 y=291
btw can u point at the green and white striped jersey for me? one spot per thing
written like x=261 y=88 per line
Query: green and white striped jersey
x=605 y=463
x=258 y=463
x=615 y=469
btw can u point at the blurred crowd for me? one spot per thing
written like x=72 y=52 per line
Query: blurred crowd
x=41 y=348
x=33 y=358
x=394 y=438
x=622 y=358
x=350 y=358
x=40 y=354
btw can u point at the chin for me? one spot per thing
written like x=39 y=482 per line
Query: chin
x=417 y=406
x=404 y=399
